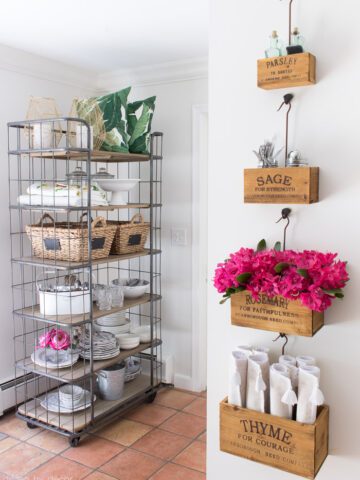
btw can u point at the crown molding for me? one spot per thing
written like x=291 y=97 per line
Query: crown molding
x=178 y=71
x=25 y=63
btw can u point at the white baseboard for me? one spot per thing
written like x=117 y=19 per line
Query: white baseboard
x=183 y=381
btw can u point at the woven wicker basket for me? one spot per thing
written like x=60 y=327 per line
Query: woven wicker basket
x=130 y=236
x=69 y=240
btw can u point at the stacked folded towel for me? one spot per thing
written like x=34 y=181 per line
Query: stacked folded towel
x=62 y=194
x=275 y=389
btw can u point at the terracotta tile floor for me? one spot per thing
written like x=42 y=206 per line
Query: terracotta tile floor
x=165 y=440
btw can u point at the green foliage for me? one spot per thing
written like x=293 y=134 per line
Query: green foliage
x=281 y=266
x=261 y=245
x=302 y=272
x=243 y=277
x=277 y=246
x=139 y=118
x=334 y=292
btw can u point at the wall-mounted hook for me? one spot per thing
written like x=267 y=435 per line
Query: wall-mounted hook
x=290 y=5
x=282 y=335
x=287 y=101
x=285 y=212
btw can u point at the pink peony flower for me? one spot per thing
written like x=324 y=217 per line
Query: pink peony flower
x=309 y=275
x=60 y=340
x=44 y=340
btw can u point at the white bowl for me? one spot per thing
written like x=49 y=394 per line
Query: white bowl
x=118 y=187
x=132 y=292
x=128 y=341
x=70 y=395
x=144 y=332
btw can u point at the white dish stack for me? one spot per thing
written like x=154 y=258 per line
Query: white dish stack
x=115 y=323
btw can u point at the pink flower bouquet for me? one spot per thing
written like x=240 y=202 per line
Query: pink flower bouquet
x=314 y=278
x=55 y=339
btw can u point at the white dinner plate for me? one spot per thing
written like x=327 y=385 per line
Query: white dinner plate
x=49 y=358
x=51 y=402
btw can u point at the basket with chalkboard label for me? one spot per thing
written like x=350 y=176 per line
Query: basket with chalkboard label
x=130 y=237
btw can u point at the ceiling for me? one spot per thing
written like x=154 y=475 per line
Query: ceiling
x=104 y=35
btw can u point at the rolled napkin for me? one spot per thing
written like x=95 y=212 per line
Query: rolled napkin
x=309 y=394
x=282 y=396
x=245 y=349
x=257 y=391
x=302 y=360
x=261 y=350
x=290 y=362
x=237 y=379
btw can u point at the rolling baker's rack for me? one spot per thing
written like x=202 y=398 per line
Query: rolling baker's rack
x=33 y=382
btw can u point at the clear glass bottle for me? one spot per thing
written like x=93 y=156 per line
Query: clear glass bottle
x=276 y=46
x=297 y=39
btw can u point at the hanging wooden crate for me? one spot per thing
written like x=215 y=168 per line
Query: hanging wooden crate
x=287 y=71
x=277 y=314
x=275 y=441
x=281 y=185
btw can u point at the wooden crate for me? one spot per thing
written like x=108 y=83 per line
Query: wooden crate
x=281 y=185
x=277 y=314
x=285 y=444
x=287 y=71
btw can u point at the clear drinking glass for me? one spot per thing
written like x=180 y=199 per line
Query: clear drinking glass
x=117 y=295
x=104 y=298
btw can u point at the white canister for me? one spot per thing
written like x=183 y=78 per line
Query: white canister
x=81 y=137
x=43 y=136
x=64 y=303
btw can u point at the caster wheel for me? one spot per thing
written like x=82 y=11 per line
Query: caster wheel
x=74 y=441
x=30 y=425
x=151 y=398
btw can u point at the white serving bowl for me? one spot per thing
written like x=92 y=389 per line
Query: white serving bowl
x=127 y=341
x=132 y=292
x=118 y=187
x=144 y=332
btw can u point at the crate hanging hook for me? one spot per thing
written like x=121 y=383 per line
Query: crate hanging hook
x=285 y=212
x=282 y=335
x=290 y=5
x=287 y=101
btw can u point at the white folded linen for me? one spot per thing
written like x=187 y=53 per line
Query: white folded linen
x=290 y=362
x=238 y=379
x=257 y=391
x=62 y=195
x=51 y=201
x=309 y=394
x=282 y=395
x=302 y=360
x=245 y=349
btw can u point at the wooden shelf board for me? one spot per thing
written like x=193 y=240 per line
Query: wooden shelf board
x=96 y=156
x=82 y=367
x=74 y=320
x=66 y=265
x=79 y=420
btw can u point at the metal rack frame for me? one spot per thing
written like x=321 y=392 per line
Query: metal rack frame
x=27 y=166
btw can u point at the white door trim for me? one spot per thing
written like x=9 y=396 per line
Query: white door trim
x=199 y=245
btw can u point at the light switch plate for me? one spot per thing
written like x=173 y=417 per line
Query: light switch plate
x=179 y=236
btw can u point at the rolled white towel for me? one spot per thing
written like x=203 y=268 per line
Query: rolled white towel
x=257 y=391
x=237 y=379
x=290 y=362
x=302 y=360
x=309 y=394
x=282 y=396
x=245 y=349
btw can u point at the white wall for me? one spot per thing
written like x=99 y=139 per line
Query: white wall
x=22 y=75
x=325 y=126
x=173 y=116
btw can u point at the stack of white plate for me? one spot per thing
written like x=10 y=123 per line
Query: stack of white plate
x=128 y=341
x=113 y=319
x=105 y=345
x=115 y=330
x=53 y=402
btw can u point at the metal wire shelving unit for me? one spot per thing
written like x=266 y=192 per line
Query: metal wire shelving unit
x=28 y=166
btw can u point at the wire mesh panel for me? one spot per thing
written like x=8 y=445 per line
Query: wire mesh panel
x=86 y=274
